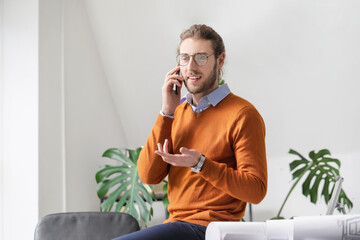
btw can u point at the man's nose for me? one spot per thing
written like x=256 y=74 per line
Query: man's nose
x=192 y=65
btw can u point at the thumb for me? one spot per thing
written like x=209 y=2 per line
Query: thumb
x=184 y=150
x=189 y=152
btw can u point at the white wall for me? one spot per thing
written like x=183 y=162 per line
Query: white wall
x=92 y=123
x=56 y=115
x=52 y=160
x=78 y=119
x=19 y=183
x=297 y=61
x=1 y=120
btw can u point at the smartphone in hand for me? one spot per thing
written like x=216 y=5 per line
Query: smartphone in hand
x=175 y=87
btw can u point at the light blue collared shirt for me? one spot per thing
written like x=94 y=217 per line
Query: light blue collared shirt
x=212 y=98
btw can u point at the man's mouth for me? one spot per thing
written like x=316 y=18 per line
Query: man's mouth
x=194 y=78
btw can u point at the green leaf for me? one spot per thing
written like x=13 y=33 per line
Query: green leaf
x=165 y=194
x=332 y=160
x=221 y=81
x=106 y=206
x=144 y=212
x=291 y=151
x=314 y=189
x=345 y=200
x=321 y=168
x=297 y=163
x=306 y=184
x=118 y=155
x=315 y=156
x=123 y=187
x=107 y=171
x=133 y=155
x=144 y=192
x=105 y=185
x=325 y=191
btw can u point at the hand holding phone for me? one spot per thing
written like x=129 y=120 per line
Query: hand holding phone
x=175 y=87
x=170 y=91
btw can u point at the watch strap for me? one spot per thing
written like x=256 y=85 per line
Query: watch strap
x=197 y=168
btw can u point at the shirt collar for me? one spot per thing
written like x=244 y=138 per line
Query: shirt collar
x=212 y=98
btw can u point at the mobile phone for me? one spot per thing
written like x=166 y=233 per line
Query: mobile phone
x=175 y=87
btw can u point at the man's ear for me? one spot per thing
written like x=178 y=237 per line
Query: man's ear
x=221 y=60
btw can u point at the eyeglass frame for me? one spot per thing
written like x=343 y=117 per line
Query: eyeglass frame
x=193 y=56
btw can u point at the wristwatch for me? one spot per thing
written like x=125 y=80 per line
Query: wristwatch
x=197 y=168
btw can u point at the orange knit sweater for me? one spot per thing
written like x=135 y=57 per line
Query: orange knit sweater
x=232 y=137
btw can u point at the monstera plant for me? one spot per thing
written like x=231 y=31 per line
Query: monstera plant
x=321 y=168
x=121 y=189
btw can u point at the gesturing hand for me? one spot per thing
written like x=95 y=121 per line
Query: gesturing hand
x=187 y=158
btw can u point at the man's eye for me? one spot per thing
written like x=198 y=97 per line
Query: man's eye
x=201 y=57
x=184 y=57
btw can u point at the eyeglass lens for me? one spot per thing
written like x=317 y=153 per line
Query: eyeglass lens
x=199 y=58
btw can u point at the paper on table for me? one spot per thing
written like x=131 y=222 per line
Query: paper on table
x=279 y=229
x=334 y=227
x=236 y=230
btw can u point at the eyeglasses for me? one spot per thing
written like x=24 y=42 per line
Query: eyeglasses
x=200 y=59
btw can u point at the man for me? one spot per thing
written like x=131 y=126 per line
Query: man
x=211 y=146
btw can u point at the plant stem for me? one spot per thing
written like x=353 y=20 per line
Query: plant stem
x=292 y=188
x=287 y=196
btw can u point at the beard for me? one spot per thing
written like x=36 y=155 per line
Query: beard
x=207 y=85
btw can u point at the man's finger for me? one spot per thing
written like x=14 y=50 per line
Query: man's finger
x=159 y=147
x=166 y=145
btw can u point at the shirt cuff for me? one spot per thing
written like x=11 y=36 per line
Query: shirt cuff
x=165 y=115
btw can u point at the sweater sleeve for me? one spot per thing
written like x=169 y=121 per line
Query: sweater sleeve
x=152 y=169
x=248 y=182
